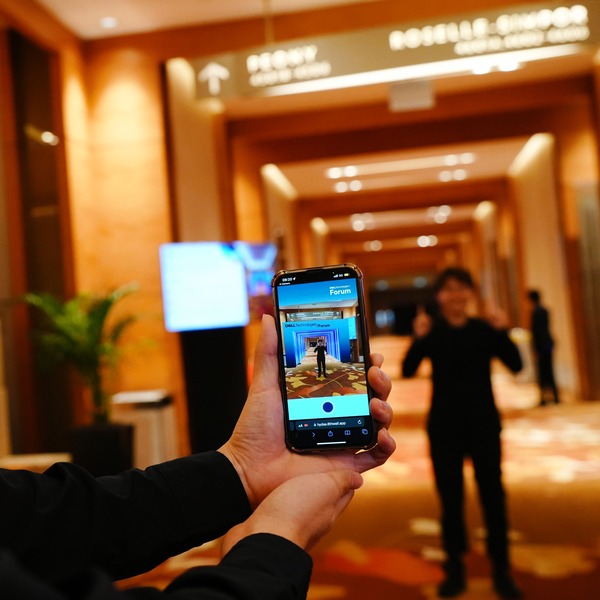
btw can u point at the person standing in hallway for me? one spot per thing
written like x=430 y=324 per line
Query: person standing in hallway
x=463 y=422
x=321 y=350
x=543 y=347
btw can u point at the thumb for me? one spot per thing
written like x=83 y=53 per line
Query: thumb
x=266 y=370
x=346 y=482
x=420 y=309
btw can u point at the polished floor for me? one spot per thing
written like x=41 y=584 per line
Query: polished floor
x=386 y=544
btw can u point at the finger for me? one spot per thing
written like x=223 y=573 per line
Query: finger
x=420 y=309
x=386 y=446
x=345 y=480
x=376 y=359
x=266 y=371
x=380 y=382
x=382 y=412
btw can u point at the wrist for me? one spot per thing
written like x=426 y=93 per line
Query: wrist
x=230 y=454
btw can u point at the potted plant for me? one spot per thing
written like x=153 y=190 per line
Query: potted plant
x=79 y=333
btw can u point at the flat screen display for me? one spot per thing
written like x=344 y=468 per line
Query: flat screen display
x=215 y=285
x=203 y=286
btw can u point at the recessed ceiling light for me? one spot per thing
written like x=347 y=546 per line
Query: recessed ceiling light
x=341 y=186
x=108 y=22
x=396 y=166
x=373 y=246
x=355 y=185
x=425 y=241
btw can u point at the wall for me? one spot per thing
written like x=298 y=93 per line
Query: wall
x=543 y=259
x=116 y=161
x=120 y=225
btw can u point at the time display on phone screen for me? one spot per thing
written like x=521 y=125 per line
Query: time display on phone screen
x=323 y=358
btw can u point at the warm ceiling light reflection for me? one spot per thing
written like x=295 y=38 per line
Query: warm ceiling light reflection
x=439 y=214
x=426 y=241
x=319 y=225
x=455 y=175
x=108 y=22
x=373 y=246
x=42 y=137
x=362 y=221
x=394 y=166
x=347 y=186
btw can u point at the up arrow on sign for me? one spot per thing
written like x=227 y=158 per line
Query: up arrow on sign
x=214 y=73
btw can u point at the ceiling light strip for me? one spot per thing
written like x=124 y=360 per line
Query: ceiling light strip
x=422 y=71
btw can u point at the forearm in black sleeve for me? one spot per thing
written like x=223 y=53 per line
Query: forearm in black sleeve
x=259 y=567
x=65 y=519
x=414 y=356
x=508 y=352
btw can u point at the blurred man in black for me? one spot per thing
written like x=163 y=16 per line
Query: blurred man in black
x=321 y=351
x=543 y=347
x=464 y=422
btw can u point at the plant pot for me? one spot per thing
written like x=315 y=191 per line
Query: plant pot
x=105 y=449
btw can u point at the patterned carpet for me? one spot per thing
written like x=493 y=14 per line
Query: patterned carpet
x=386 y=544
x=342 y=379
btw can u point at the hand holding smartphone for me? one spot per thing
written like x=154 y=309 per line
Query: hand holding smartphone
x=324 y=358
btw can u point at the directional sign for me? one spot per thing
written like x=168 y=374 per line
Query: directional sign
x=213 y=73
x=400 y=52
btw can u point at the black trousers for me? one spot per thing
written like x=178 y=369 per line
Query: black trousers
x=545 y=373
x=321 y=365
x=448 y=455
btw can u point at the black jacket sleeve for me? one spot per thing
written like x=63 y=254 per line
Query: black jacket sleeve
x=65 y=534
x=416 y=353
x=506 y=350
x=61 y=521
x=259 y=567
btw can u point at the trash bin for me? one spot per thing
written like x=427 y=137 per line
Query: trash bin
x=152 y=414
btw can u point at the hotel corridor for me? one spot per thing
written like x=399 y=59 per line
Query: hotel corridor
x=387 y=544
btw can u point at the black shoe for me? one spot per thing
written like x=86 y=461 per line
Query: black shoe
x=455 y=582
x=505 y=586
x=452 y=586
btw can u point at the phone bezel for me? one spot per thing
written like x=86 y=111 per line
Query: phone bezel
x=314 y=274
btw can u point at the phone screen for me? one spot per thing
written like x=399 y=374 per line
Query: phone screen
x=324 y=358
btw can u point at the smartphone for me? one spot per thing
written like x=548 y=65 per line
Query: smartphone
x=324 y=358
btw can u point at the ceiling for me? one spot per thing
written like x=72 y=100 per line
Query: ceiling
x=83 y=17
x=415 y=167
x=377 y=171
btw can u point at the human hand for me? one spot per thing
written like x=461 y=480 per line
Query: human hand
x=421 y=323
x=302 y=509
x=257 y=447
x=497 y=318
